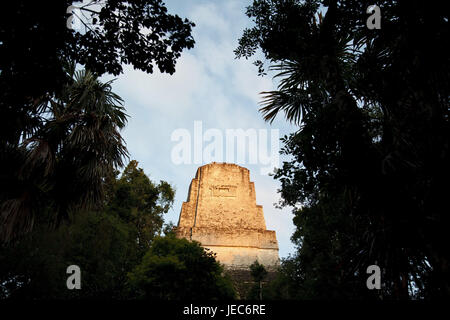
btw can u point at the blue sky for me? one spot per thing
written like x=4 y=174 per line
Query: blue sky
x=211 y=86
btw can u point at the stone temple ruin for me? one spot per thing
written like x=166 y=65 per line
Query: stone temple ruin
x=221 y=213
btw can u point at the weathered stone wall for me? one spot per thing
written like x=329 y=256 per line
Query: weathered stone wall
x=221 y=213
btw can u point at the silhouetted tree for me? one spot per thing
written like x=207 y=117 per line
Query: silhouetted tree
x=258 y=273
x=61 y=164
x=177 y=269
x=59 y=132
x=106 y=244
x=35 y=42
x=369 y=163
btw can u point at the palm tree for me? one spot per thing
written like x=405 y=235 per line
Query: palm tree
x=62 y=163
x=372 y=110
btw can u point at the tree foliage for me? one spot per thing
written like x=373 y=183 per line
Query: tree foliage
x=369 y=163
x=60 y=128
x=105 y=244
x=35 y=42
x=64 y=157
x=140 y=202
x=177 y=269
x=258 y=273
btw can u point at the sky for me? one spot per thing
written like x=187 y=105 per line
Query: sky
x=210 y=86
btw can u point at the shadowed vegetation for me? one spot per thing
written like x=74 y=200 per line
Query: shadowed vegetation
x=368 y=169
